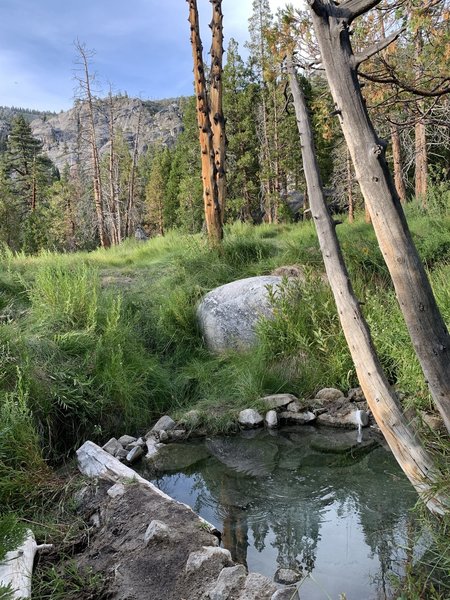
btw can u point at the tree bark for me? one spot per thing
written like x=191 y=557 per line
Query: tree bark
x=213 y=215
x=426 y=326
x=421 y=161
x=397 y=162
x=351 y=207
x=216 y=101
x=406 y=447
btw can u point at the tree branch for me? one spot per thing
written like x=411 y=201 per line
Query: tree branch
x=360 y=57
x=350 y=9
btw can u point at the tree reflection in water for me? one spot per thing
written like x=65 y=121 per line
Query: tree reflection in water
x=283 y=493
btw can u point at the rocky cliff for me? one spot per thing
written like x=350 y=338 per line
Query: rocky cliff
x=65 y=134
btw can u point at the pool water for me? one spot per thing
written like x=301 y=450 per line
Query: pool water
x=301 y=498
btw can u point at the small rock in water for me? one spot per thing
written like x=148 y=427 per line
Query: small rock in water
x=329 y=394
x=250 y=418
x=355 y=395
x=257 y=587
x=277 y=400
x=157 y=531
x=287 y=576
x=287 y=593
x=163 y=436
x=112 y=446
x=135 y=454
x=126 y=439
x=271 y=419
x=176 y=434
x=152 y=448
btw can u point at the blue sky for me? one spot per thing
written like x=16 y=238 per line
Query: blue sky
x=142 y=46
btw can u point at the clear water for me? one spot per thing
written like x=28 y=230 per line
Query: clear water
x=283 y=499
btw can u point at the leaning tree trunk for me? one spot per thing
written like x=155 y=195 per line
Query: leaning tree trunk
x=216 y=101
x=406 y=447
x=213 y=216
x=426 y=327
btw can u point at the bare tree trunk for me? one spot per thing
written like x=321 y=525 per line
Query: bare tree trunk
x=351 y=207
x=213 y=216
x=98 y=198
x=132 y=180
x=114 y=204
x=421 y=161
x=406 y=447
x=426 y=327
x=397 y=161
x=216 y=100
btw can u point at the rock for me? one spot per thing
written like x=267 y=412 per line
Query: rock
x=287 y=593
x=116 y=490
x=152 y=448
x=329 y=394
x=209 y=554
x=160 y=125
x=355 y=395
x=228 y=315
x=271 y=419
x=344 y=416
x=276 y=400
x=298 y=417
x=250 y=418
x=156 y=531
x=135 y=454
x=287 y=576
x=257 y=458
x=165 y=423
x=176 y=434
x=126 y=439
x=178 y=457
x=296 y=406
x=230 y=581
x=341 y=442
x=112 y=446
x=257 y=587
x=163 y=436
x=139 y=442
x=121 y=454
x=296 y=271
x=434 y=422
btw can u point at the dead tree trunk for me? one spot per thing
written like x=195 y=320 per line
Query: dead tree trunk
x=85 y=83
x=351 y=205
x=406 y=447
x=397 y=162
x=213 y=215
x=426 y=327
x=112 y=165
x=132 y=180
x=216 y=100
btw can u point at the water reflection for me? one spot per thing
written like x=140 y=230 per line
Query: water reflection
x=298 y=500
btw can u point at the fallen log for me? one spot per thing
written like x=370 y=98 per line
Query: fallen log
x=93 y=461
x=17 y=567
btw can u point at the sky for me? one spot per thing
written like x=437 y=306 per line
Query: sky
x=141 y=46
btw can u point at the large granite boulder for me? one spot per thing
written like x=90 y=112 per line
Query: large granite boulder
x=228 y=315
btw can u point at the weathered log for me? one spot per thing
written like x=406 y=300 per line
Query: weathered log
x=17 y=567
x=95 y=462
